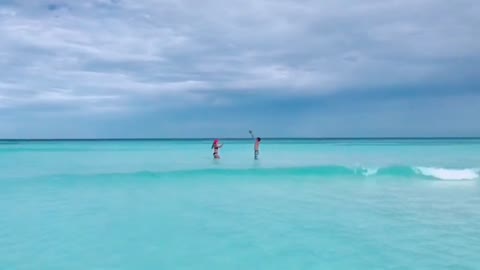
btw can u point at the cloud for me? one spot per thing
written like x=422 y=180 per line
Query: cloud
x=136 y=54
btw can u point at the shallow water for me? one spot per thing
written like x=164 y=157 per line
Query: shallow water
x=307 y=204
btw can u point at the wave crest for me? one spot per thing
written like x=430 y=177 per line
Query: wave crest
x=401 y=172
x=448 y=174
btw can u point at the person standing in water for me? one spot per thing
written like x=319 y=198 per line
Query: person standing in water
x=257 y=145
x=216 y=146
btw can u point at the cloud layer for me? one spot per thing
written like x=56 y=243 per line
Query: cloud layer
x=113 y=56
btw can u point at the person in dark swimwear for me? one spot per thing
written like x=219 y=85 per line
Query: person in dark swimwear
x=257 y=145
x=216 y=146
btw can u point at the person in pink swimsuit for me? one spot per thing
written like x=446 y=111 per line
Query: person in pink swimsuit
x=216 y=147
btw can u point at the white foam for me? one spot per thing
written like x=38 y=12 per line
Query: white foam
x=449 y=174
x=369 y=171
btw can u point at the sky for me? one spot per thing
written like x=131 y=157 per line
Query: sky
x=215 y=68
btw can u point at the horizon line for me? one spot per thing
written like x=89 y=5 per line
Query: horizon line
x=241 y=138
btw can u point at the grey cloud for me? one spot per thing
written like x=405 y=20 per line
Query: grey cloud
x=104 y=48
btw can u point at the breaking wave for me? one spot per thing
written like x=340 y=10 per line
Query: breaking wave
x=317 y=171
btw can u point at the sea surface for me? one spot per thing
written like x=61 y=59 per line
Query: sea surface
x=305 y=204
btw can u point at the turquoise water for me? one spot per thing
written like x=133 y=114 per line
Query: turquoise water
x=306 y=204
